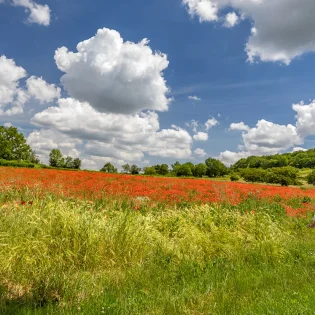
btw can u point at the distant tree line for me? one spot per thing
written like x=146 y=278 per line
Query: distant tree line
x=57 y=160
x=299 y=159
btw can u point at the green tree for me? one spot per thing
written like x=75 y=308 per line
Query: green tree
x=311 y=178
x=162 y=169
x=76 y=164
x=56 y=159
x=215 y=168
x=126 y=168
x=150 y=170
x=13 y=146
x=184 y=170
x=109 y=168
x=200 y=170
x=68 y=162
x=135 y=170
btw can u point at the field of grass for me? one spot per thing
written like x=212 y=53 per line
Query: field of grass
x=63 y=253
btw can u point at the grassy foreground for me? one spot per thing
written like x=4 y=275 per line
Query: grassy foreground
x=80 y=257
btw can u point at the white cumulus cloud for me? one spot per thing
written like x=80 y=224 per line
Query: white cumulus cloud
x=194 y=98
x=231 y=19
x=211 y=123
x=239 y=126
x=282 y=29
x=39 y=14
x=131 y=134
x=12 y=97
x=41 y=90
x=201 y=136
x=113 y=75
x=200 y=152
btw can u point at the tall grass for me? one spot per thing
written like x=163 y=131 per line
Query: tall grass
x=80 y=257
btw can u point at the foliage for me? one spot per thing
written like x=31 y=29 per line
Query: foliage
x=215 y=168
x=311 y=178
x=17 y=163
x=161 y=169
x=126 y=168
x=283 y=175
x=300 y=159
x=135 y=170
x=13 y=146
x=200 y=170
x=150 y=170
x=57 y=160
x=109 y=168
x=234 y=177
x=184 y=170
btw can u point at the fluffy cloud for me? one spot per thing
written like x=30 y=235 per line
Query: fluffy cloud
x=43 y=141
x=41 y=90
x=201 y=136
x=200 y=152
x=297 y=149
x=11 y=95
x=132 y=135
x=270 y=138
x=194 y=98
x=113 y=75
x=39 y=14
x=231 y=19
x=239 y=126
x=205 y=10
x=229 y=158
x=211 y=123
x=283 y=29
x=305 y=118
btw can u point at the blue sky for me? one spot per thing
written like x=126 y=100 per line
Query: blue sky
x=206 y=59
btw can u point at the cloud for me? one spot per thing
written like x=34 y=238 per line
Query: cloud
x=12 y=97
x=305 y=115
x=200 y=152
x=239 y=126
x=41 y=90
x=194 y=98
x=211 y=123
x=43 y=141
x=231 y=19
x=205 y=10
x=270 y=138
x=131 y=134
x=39 y=14
x=115 y=76
x=282 y=29
x=229 y=158
x=297 y=149
x=201 y=136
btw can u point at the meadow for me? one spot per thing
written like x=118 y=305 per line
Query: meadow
x=76 y=242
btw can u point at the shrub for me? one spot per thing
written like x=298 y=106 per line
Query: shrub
x=311 y=178
x=234 y=178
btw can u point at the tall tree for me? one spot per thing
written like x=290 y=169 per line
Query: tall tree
x=56 y=159
x=134 y=169
x=126 y=168
x=77 y=164
x=13 y=146
x=215 y=168
x=109 y=168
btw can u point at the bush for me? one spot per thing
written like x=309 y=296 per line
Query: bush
x=311 y=178
x=26 y=164
x=234 y=178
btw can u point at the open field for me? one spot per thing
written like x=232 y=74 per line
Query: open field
x=91 y=243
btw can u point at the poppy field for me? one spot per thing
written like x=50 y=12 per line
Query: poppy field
x=79 y=242
x=154 y=190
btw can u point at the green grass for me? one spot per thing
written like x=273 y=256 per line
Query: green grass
x=77 y=257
